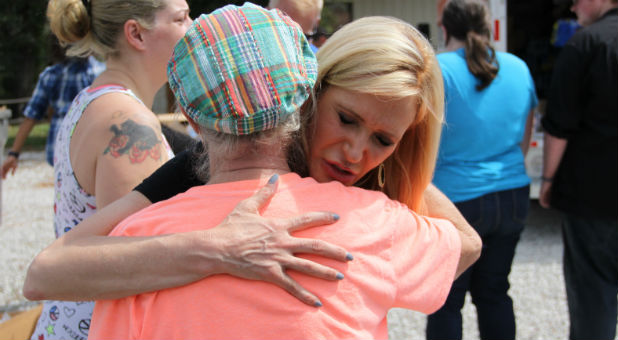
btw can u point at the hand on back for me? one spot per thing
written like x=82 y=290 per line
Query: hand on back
x=259 y=248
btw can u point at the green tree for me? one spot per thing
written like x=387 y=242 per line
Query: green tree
x=23 y=46
x=206 y=6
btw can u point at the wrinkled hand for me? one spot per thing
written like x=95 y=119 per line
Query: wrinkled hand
x=258 y=248
x=9 y=164
x=545 y=195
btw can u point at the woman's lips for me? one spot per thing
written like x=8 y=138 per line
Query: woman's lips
x=337 y=173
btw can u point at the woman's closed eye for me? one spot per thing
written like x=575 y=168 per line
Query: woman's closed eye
x=383 y=140
x=345 y=119
x=380 y=138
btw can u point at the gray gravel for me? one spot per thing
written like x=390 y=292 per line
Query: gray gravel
x=26 y=227
x=537 y=284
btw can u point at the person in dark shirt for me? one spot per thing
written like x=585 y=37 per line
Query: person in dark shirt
x=579 y=175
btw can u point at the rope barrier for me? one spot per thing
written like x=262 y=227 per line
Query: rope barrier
x=14 y=101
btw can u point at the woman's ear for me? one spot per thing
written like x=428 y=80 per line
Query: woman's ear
x=134 y=34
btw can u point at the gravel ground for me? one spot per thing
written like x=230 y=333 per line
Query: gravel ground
x=536 y=280
x=26 y=227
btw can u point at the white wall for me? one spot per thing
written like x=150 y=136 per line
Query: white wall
x=426 y=11
x=498 y=23
x=412 y=11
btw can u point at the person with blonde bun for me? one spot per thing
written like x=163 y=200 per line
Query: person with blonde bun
x=364 y=76
x=109 y=139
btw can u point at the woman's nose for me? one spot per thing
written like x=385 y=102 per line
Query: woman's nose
x=354 y=150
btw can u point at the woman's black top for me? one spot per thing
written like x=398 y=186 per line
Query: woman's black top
x=175 y=176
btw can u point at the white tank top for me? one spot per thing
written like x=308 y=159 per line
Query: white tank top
x=72 y=204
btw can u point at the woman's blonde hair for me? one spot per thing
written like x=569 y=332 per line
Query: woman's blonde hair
x=389 y=58
x=92 y=27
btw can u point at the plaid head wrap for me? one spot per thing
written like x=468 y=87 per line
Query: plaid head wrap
x=239 y=70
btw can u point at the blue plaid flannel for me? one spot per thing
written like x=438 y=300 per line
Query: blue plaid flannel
x=57 y=86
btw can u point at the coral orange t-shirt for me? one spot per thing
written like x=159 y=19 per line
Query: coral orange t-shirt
x=400 y=260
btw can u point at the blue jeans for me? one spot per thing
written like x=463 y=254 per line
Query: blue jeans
x=499 y=219
x=591 y=276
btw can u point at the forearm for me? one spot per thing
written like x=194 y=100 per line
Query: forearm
x=101 y=267
x=438 y=205
x=22 y=134
x=553 y=150
x=85 y=263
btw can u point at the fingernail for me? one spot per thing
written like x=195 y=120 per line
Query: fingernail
x=340 y=276
x=273 y=179
x=349 y=257
x=335 y=217
x=318 y=304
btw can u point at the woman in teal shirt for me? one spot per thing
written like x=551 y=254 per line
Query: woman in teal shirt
x=490 y=98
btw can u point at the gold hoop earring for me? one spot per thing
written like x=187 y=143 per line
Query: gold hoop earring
x=381 y=176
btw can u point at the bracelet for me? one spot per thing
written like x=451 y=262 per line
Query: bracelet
x=547 y=179
x=14 y=154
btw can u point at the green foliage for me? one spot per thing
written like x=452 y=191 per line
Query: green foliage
x=23 y=44
x=36 y=139
x=206 y=6
x=335 y=15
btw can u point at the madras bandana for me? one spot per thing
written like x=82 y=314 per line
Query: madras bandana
x=239 y=70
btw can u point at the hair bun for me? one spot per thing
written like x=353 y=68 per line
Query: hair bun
x=68 y=20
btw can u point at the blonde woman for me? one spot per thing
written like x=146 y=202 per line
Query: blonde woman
x=403 y=69
x=402 y=77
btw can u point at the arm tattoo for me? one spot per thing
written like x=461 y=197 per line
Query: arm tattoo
x=136 y=140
